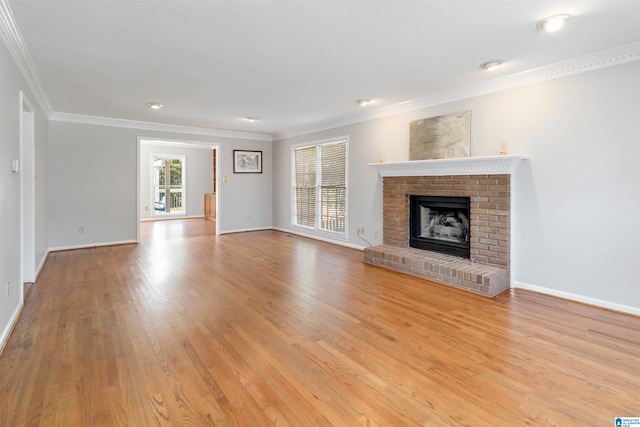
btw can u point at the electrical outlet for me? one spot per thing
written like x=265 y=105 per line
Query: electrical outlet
x=8 y=291
x=376 y=234
x=80 y=229
x=361 y=230
x=146 y=208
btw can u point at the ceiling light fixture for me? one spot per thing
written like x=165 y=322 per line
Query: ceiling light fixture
x=154 y=105
x=251 y=119
x=363 y=102
x=553 y=23
x=491 y=65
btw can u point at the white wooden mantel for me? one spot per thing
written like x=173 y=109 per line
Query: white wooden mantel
x=488 y=165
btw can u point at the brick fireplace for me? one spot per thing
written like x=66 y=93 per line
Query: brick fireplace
x=487 y=182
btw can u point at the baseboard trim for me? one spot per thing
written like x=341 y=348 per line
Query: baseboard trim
x=309 y=236
x=4 y=338
x=41 y=265
x=577 y=298
x=322 y=239
x=245 y=230
x=91 y=245
x=169 y=218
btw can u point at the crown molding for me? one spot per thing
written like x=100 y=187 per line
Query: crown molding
x=155 y=142
x=582 y=64
x=17 y=48
x=160 y=127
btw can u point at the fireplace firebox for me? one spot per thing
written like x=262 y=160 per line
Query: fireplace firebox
x=440 y=224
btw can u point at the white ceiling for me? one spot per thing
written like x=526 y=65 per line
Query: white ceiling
x=292 y=63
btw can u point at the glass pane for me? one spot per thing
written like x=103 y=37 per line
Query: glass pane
x=306 y=207
x=176 y=172
x=333 y=158
x=305 y=187
x=159 y=199
x=159 y=170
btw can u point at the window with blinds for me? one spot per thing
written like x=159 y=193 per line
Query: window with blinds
x=320 y=186
x=305 y=186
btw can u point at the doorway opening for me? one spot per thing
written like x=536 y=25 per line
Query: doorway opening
x=174 y=180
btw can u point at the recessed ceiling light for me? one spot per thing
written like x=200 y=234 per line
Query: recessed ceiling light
x=363 y=102
x=154 y=105
x=251 y=119
x=491 y=65
x=553 y=23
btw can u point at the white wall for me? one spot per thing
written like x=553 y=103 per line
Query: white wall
x=198 y=178
x=93 y=175
x=92 y=184
x=578 y=201
x=11 y=84
x=245 y=200
x=577 y=207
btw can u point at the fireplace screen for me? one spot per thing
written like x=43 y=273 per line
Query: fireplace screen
x=440 y=224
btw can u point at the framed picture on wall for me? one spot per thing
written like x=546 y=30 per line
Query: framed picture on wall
x=247 y=161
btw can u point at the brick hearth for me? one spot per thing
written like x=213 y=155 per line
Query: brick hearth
x=484 y=279
x=488 y=270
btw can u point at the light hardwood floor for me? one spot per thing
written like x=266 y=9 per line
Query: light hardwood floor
x=265 y=328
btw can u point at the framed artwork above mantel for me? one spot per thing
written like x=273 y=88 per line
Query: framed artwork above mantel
x=443 y=137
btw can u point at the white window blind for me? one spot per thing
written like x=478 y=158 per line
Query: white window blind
x=333 y=186
x=305 y=186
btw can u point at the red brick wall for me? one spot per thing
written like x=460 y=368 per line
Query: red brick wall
x=489 y=195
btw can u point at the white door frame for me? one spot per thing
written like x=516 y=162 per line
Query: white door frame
x=211 y=145
x=27 y=192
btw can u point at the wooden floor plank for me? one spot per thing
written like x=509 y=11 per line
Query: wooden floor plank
x=270 y=329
